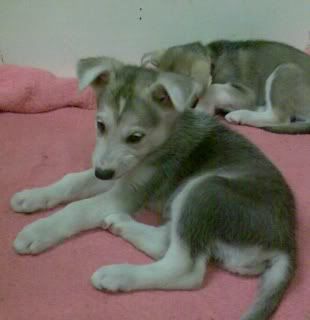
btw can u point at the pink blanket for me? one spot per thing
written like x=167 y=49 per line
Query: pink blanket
x=36 y=150
x=31 y=90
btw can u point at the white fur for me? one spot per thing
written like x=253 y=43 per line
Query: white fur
x=264 y=116
x=279 y=271
x=174 y=271
x=75 y=217
x=151 y=240
x=252 y=118
x=122 y=104
x=268 y=89
x=244 y=260
x=73 y=186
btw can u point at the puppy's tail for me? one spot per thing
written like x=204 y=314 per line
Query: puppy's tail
x=290 y=128
x=273 y=285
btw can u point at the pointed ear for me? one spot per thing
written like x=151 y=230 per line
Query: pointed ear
x=96 y=71
x=152 y=58
x=176 y=91
x=201 y=71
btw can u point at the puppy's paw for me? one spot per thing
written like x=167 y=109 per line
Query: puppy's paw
x=30 y=200
x=120 y=277
x=238 y=116
x=36 y=237
x=116 y=223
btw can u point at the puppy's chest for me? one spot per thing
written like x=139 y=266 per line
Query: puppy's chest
x=162 y=207
x=160 y=199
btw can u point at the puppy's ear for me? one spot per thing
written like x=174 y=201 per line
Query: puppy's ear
x=152 y=58
x=201 y=71
x=176 y=91
x=96 y=71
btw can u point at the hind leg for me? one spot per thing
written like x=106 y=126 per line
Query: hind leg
x=290 y=95
x=178 y=269
x=286 y=96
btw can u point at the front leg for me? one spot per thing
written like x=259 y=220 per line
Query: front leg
x=74 y=218
x=153 y=241
x=254 y=118
x=73 y=186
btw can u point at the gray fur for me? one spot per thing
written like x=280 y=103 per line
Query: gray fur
x=246 y=66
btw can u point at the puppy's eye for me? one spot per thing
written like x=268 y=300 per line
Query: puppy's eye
x=135 y=137
x=101 y=127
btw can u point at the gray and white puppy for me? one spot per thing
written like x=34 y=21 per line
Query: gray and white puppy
x=222 y=200
x=259 y=83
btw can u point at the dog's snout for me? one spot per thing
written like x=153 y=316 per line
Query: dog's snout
x=105 y=174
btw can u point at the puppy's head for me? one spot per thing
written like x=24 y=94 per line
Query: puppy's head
x=136 y=109
x=190 y=59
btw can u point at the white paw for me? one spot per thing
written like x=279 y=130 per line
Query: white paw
x=238 y=116
x=116 y=223
x=36 y=237
x=30 y=200
x=119 y=277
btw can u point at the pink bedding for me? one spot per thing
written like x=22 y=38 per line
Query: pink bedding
x=31 y=90
x=37 y=149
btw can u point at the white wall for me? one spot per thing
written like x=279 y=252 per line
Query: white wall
x=54 y=34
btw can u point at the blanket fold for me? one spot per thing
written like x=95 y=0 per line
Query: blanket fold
x=32 y=90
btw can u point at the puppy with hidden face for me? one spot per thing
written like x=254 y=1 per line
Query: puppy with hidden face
x=221 y=198
x=257 y=83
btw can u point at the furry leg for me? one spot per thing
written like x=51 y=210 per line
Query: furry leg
x=153 y=241
x=176 y=270
x=78 y=216
x=73 y=186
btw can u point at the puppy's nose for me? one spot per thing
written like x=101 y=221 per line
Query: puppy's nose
x=105 y=174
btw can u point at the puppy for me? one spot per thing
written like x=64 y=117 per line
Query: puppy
x=257 y=83
x=221 y=199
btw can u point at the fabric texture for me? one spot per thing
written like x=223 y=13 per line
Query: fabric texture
x=32 y=90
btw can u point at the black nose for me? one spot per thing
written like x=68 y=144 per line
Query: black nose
x=105 y=174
